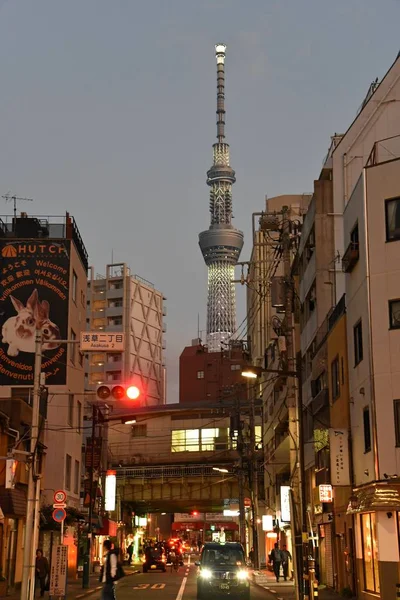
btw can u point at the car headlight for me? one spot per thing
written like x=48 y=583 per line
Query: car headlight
x=206 y=573
x=242 y=575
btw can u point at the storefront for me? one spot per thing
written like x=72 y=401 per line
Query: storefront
x=375 y=508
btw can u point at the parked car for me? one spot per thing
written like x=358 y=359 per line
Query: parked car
x=222 y=570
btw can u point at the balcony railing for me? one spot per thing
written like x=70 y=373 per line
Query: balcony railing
x=351 y=256
x=320 y=401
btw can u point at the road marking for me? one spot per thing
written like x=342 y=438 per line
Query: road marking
x=189 y=561
x=181 y=589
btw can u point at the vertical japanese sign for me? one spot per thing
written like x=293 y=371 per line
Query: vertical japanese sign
x=58 y=572
x=285 y=503
x=339 y=453
x=34 y=286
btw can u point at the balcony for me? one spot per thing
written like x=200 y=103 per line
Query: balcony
x=350 y=257
x=114 y=311
x=320 y=401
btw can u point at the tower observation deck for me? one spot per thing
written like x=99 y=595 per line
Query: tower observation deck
x=221 y=243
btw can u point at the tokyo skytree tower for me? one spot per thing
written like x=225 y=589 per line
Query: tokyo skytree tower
x=221 y=243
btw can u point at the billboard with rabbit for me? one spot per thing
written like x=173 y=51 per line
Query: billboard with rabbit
x=34 y=286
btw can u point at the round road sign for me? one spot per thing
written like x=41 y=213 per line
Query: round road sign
x=59 y=497
x=59 y=515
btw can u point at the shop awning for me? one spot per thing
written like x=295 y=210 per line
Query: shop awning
x=13 y=502
x=376 y=496
x=108 y=528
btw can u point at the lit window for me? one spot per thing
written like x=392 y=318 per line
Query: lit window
x=200 y=374
x=185 y=440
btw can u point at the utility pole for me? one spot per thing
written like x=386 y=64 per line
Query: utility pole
x=293 y=407
x=88 y=553
x=32 y=511
x=253 y=469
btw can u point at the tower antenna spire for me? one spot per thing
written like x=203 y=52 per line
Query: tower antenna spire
x=220 y=52
x=221 y=243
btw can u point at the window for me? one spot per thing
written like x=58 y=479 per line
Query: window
x=354 y=237
x=68 y=463
x=370 y=553
x=70 y=410
x=392 y=218
x=396 y=406
x=115 y=321
x=358 y=343
x=73 y=346
x=185 y=440
x=335 y=379
x=138 y=431
x=194 y=440
x=74 y=285
x=76 y=477
x=367 y=430
x=78 y=416
x=236 y=367
x=200 y=374
x=83 y=298
x=114 y=376
x=394 y=314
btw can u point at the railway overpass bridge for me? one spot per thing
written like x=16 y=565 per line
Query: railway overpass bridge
x=177 y=458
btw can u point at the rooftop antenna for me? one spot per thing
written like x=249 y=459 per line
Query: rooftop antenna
x=13 y=198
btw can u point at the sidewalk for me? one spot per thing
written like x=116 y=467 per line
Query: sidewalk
x=284 y=590
x=74 y=586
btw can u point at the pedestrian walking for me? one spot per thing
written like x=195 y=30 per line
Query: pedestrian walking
x=286 y=556
x=42 y=571
x=108 y=572
x=251 y=556
x=275 y=558
x=199 y=544
x=129 y=552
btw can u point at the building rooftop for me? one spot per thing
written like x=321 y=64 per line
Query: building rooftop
x=44 y=227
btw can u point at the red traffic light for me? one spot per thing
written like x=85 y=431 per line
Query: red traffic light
x=118 y=392
x=133 y=392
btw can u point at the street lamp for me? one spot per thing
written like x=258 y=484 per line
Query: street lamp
x=220 y=470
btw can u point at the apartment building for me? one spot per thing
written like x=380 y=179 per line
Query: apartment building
x=120 y=301
x=265 y=322
x=372 y=234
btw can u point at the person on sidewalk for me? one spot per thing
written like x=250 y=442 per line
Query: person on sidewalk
x=129 y=551
x=42 y=571
x=286 y=556
x=275 y=558
x=251 y=556
x=108 y=572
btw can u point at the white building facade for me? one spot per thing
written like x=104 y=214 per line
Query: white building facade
x=128 y=303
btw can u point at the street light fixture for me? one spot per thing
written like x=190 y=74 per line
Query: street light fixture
x=220 y=470
x=249 y=374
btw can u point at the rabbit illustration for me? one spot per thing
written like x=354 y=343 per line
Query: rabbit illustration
x=19 y=332
x=50 y=331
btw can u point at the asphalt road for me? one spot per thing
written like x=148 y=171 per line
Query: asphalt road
x=173 y=585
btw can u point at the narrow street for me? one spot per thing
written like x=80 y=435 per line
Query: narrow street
x=171 y=585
